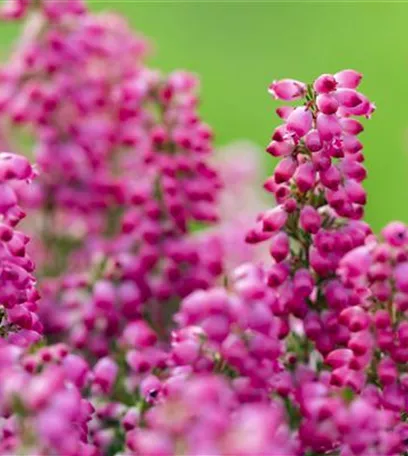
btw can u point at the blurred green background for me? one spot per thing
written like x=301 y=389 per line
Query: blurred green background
x=238 y=48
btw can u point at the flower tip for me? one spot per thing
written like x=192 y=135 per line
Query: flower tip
x=372 y=108
x=349 y=79
x=287 y=89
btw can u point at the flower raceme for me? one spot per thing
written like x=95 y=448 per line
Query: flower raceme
x=19 y=320
x=322 y=154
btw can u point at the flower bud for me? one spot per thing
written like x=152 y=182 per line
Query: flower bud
x=327 y=104
x=274 y=219
x=138 y=334
x=285 y=170
x=287 y=89
x=355 y=318
x=395 y=233
x=313 y=141
x=279 y=149
x=303 y=282
x=310 y=220
x=325 y=83
x=279 y=248
x=351 y=126
x=349 y=98
x=387 y=371
x=355 y=263
x=328 y=126
x=348 y=79
x=331 y=177
x=105 y=372
x=300 y=121
x=339 y=358
x=401 y=277
x=305 y=177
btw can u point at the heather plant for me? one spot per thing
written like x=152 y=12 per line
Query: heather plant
x=155 y=331
x=124 y=173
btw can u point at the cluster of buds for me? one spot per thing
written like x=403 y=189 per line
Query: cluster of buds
x=42 y=409
x=321 y=156
x=18 y=294
x=317 y=185
x=234 y=333
x=376 y=274
x=219 y=425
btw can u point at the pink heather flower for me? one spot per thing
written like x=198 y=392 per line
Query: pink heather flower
x=348 y=78
x=105 y=373
x=363 y=108
x=360 y=342
x=305 y=177
x=76 y=369
x=285 y=169
x=351 y=144
x=274 y=219
x=331 y=177
x=139 y=335
x=355 y=318
x=395 y=233
x=104 y=295
x=349 y=98
x=351 y=126
x=131 y=419
x=284 y=111
x=327 y=103
x=149 y=443
x=299 y=121
x=313 y=141
x=18 y=294
x=356 y=263
x=277 y=274
x=401 y=277
x=355 y=192
x=387 y=371
x=339 y=358
x=279 y=248
x=150 y=388
x=325 y=83
x=14 y=9
x=328 y=126
x=403 y=332
x=257 y=235
x=310 y=220
x=287 y=89
x=303 y=282
x=138 y=361
x=279 y=149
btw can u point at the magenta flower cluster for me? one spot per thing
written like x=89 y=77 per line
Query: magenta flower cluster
x=18 y=293
x=152 y=330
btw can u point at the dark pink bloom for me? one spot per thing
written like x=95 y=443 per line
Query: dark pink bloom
x=287 y=89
